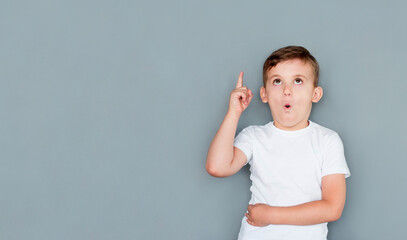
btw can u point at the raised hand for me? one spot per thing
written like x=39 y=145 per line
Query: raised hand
x=240 y=97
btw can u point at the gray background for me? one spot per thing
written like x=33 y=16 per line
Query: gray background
x=107 y=110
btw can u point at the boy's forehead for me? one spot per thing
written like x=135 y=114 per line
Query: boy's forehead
x=294 y=67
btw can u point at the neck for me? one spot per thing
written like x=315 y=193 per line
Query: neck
x=298 y=126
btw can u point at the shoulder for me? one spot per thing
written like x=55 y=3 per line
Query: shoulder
x=326 y=135
x=258 y=128
x=255 y=131
x=324 y=132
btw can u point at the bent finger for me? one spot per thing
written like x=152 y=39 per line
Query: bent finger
x=250 y=222
x=243 y=96
x=250 y=98
x=248 y=95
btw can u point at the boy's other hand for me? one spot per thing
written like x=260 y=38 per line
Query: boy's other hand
x=240 y=97
x=258 y=214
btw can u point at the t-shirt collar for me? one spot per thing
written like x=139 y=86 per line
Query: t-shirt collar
x=292 y=133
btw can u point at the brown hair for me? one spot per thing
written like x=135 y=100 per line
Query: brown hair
x=288 y=53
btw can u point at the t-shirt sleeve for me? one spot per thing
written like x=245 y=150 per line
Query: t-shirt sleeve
x=244 y=141
x=334 y=157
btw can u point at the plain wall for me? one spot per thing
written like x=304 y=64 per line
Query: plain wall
x=107 y=110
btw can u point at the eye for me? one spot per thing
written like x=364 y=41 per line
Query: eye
x=298 y=81
x=277 y=82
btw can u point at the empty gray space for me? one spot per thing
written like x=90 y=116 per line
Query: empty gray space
x=107 y=110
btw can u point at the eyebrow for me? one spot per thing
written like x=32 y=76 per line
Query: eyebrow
x=296 y=75
x=299 y=75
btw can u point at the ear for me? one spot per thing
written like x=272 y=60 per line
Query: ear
x=317 y=95
x=263 y=94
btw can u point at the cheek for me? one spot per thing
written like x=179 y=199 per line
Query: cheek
x=274 y=98
x=303 y=95
x=274 y=93
x=304 y=98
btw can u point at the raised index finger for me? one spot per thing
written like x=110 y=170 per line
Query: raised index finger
x=240 y=80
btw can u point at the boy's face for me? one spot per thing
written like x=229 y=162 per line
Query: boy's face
x=290 y=93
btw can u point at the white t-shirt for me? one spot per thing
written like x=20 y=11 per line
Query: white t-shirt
x=286 y=169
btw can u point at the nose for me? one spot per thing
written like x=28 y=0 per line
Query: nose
x=287 y=91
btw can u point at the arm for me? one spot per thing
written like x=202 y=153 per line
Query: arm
x=328 y=209
x=223 y=159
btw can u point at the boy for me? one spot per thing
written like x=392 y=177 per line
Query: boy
x=297 y=166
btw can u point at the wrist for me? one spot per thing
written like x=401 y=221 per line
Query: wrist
x=233 y=114
x=272 y=215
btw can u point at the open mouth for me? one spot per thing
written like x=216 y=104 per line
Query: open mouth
x=287 y=106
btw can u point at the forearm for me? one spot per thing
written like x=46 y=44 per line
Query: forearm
x=305 y=214
x=220 y=153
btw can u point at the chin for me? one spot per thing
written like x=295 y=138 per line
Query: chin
x=288 y=122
